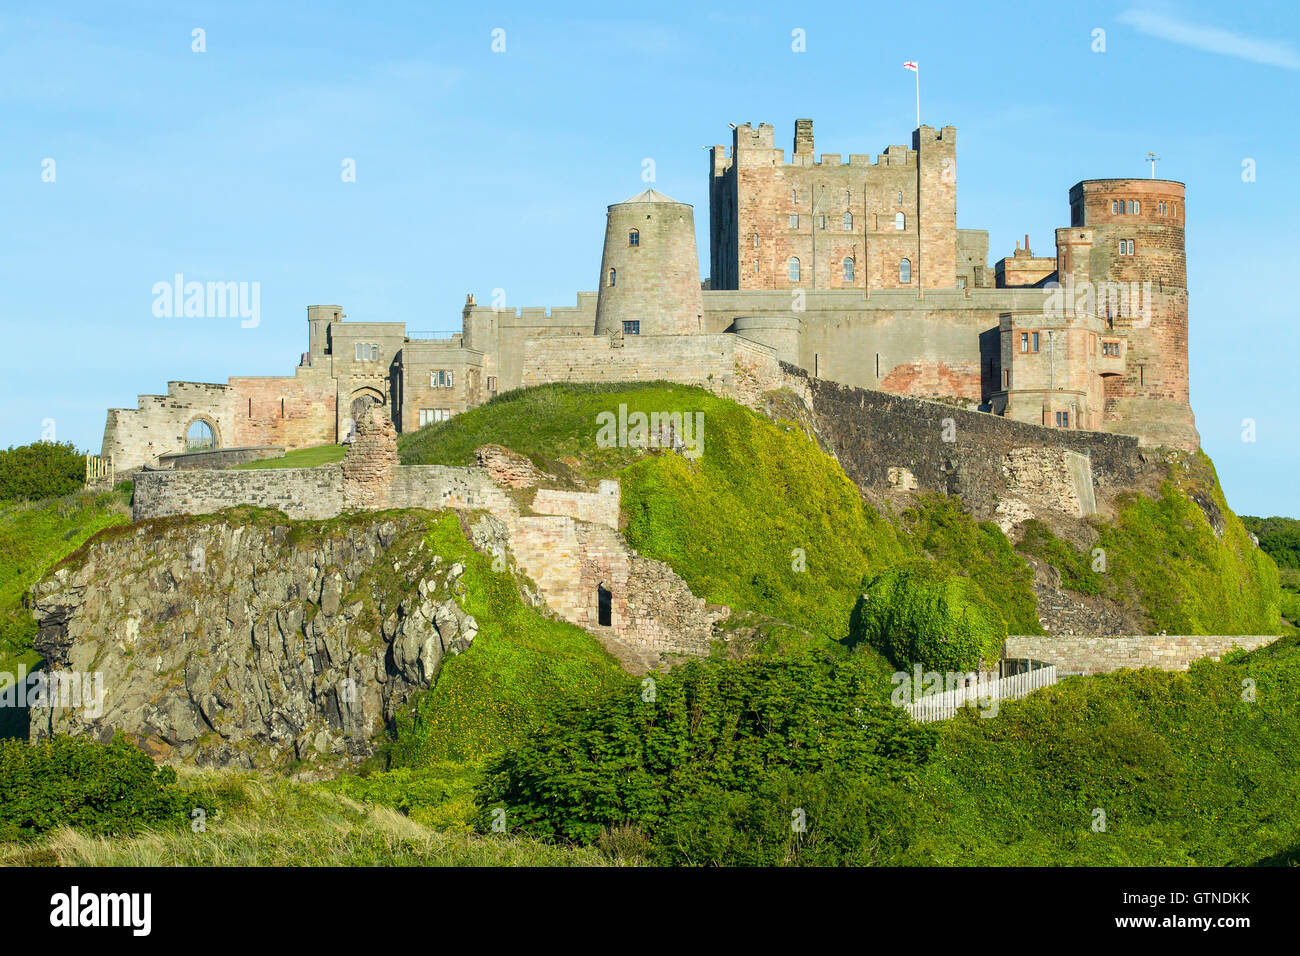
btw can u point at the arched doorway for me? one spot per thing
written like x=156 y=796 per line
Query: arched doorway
x=200 y=435
x=358 y=408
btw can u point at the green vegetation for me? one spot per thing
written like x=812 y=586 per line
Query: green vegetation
x=1164 y=559
x=43 y=469
x=1279 y=538
x=708 y=763
x=945 y=533
x=77 y=782
x=301 y=458
x=496 y=693
x=263 y=820
x=1188 y=768
x=919 y=613
x=33 y=538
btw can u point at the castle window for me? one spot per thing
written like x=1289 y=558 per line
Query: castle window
x=1135 y=207
x=613 y=277
x=1062 y=419
x=900 y=221
x=1006 y=378
x=1115 y=207
x=821 y=222
x=1161 y=208
x=492 y=383
x=848 y=197
x=1024 y=341
x=794 y=222
x=200 y=436
x=794 y=195
x=848 y=222
x=848 y=270
x=604 y=606
x=429 y=416
x=961 y=282
x=632 y=328
x=794 y=270
x=440 y=378
x=905 y=270
x=1110 y=348
x=755 y=240
x=1034 y=341
x=1126 y=247
x=1173 y=209
x=900 y=197
x=634 y=238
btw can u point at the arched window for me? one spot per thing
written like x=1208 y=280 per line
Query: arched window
x=900 y=221
x=848 y=222
x=200 y=436
x=794 y=269
x=1137 y=207
x=1115 y=207
x=755 y=240
x=905 y=270
x=613 y=277
x=848 y=270
x=848 y=197
x=634 y=238
x=794 y=195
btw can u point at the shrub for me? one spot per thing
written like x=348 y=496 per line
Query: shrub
x=44 y=469
x=713 y=764
x=917 y=613
x=78 y=782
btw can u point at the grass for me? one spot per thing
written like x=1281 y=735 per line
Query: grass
x=300 y=458
x=34 y=537
x=1164 y=559
x=270 y=821
x=520 y=664
x=1188 y=768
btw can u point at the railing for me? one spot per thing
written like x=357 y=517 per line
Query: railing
x=435 y=334
x=99 y=469
x=945 y=705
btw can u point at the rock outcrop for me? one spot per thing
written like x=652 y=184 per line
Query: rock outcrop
x=256 y=644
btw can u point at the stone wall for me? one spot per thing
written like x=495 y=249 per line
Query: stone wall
x=956 y=451
x=219 y=457
x=303 y=493
x=1101 y=655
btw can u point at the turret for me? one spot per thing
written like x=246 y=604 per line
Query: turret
x=649 y=273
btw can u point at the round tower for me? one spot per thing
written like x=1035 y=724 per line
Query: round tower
x=650 y=272
x=1126 y=242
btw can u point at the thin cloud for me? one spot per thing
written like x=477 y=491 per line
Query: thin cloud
x=1212 y=39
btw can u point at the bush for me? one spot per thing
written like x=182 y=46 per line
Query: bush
x=712 y=766
x=917 y=613
x=77 y=782
x=44 y=469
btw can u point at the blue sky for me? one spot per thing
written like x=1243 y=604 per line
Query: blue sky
x=478 y=170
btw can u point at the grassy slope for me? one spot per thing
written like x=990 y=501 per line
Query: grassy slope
x=270 y=821
x=1185 y=768
x=33 y=538
x=302 y=458
x=730 y=523
x=1164 y=559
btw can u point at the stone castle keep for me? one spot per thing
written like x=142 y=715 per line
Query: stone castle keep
x=852 y=270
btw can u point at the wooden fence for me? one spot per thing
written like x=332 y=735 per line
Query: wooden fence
x=942 y=706
x=99 y=469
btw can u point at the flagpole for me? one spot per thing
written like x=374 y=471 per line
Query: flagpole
x=918 y=95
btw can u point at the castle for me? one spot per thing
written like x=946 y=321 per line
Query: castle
x=854 y=271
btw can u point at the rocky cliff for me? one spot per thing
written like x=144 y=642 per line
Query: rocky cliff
x=243 y=639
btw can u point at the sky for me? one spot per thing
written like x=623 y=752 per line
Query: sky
x=128 y=156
